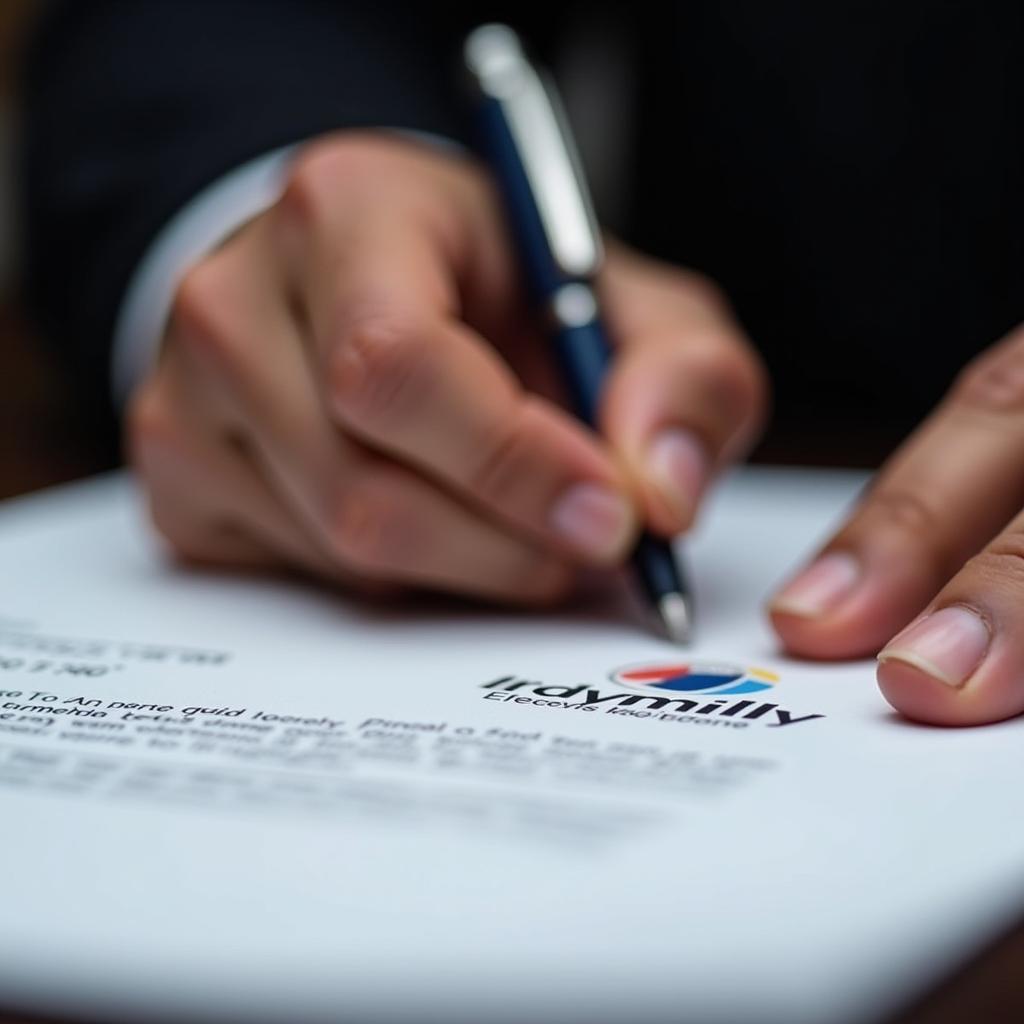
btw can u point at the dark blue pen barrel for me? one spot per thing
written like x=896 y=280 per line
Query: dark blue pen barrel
x=543 y=275
x=581 y=348
x=583 y=353
x=656 y=567
x=583 y=356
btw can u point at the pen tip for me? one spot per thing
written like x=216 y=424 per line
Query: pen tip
x=675 y=613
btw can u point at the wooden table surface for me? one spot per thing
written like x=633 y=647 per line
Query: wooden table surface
x=43 y=441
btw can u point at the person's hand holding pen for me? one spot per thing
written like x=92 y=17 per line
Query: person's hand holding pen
x=353 y=385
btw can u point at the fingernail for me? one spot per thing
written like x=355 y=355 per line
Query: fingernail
x=947 y=645
x=819 y=588
x=593 y=519
x=678 y=466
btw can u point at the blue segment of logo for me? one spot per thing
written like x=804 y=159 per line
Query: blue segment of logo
x=695 y=681
x=747 y=686
x=680 y=677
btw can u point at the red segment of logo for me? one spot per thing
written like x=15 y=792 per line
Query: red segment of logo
x=641 y=675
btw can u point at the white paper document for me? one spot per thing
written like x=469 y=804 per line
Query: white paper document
x=238 y=798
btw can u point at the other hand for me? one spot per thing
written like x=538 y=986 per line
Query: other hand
x=935 y=555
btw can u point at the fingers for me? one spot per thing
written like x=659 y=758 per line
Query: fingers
x=366 y=516
x=687 y=393
x=962 y=661
x=955 y=483
x=401 y=372
x=392 y=526
x=436 y=397
x=205 y=497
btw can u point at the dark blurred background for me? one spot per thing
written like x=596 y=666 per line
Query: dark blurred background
x=44 y=438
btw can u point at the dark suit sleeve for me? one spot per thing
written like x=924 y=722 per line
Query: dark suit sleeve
x=132 y=107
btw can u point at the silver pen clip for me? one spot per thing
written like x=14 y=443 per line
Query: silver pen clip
x=539 y=127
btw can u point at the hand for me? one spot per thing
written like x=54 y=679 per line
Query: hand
x=350 y=385
x=937 y=542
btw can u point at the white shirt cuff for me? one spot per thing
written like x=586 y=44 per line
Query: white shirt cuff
x=204 y=222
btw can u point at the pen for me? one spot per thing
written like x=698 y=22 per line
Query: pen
x=526 y=138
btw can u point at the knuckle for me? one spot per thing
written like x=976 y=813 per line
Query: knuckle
x=370 y=530
x=375 y=374
x=306 y=188
x=697 y=287
x=195 y=298
x=150 y=424
x=1002 y=560
x=146 y=415
x=994 y=381
x=906 y=511
x=751 y=382
x=201 y=312
x=918 y=523
x=312 y=185
x=731 y=373
x=509 y=458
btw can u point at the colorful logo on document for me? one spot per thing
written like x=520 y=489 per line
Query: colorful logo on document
x=693 y=677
